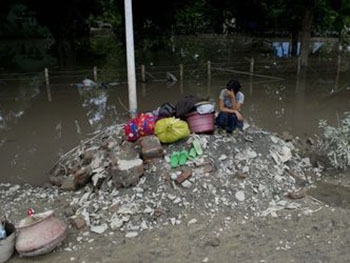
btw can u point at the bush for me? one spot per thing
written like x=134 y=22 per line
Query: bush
x=336 y=142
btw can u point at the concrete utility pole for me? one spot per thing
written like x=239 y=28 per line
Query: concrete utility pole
x=129 y=31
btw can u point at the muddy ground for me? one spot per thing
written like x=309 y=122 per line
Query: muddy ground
x=312 y=228
x=322 y=236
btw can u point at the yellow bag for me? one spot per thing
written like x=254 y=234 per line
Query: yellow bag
x=171 y=129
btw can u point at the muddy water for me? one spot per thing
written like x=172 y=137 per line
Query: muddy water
x=334 y=195
x=37 y=124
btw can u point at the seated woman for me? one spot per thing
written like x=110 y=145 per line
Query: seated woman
x=231 y=99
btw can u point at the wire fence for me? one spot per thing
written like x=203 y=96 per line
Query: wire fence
x=264 y=66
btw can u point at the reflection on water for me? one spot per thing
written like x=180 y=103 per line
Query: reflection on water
x=35 y=129
x=95 y=101
x=331 y=194
x=18 y=96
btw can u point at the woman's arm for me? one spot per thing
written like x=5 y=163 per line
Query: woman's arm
x=222 y=108
x=235 y=105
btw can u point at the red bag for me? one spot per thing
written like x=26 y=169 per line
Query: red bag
x=139 y=126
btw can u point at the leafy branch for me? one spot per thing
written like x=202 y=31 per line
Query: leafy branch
x=336 y=142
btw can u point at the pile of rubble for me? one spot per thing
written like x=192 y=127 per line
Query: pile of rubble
x=110 y=184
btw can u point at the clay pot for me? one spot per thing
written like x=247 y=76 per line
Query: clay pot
x=39 y=234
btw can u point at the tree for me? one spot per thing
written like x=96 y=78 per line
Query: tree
x=306 y=31
x=156 y=21
x=65 y=20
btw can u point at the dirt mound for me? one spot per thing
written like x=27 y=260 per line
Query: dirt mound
x=254 y=173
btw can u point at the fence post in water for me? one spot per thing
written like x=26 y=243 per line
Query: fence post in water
x=95 y=74
x=48 y=85
x=47 y=77
x=251 y=70
x=181 y=72
x=143 y=80
x=209 y=77
x=143 y=73
x=209 y=69
x=338 y=73
x=299 y=65
x=252 y=65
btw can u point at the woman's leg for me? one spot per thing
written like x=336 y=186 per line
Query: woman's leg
x=240 y=125
x=231 y=123
x=237 y=124
x=221 y=121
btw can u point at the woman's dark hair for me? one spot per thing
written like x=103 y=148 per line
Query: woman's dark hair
x=233 y=85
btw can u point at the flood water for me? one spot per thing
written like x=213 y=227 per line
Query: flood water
x=40 y=123
x=331 y=194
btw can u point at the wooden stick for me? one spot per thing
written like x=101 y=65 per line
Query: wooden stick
x=121 y=103
x=143 y=73
x=181 y=72
x=315 y=200
x=95 y=73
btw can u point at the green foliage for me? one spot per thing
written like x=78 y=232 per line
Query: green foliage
x=21 y=22
x=156 y=21
x=192 y=20
x=282 y=14
x=331 y=18
x=108 y=48
x=336 y=142
x=108 y=12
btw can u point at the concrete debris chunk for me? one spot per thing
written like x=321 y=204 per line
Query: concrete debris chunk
x=240 y=196
x=131 y=234
x=99 y=229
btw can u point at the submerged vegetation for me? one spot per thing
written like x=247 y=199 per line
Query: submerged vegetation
x=336 y=142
